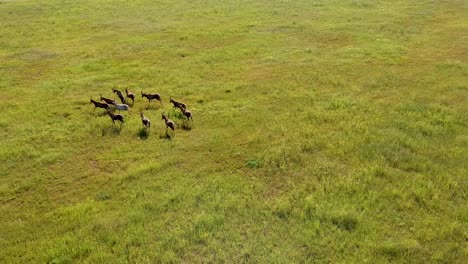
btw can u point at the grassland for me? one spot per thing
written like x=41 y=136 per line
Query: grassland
x=324 y=132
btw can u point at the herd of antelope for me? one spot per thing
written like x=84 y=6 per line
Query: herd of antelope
x=110 y=105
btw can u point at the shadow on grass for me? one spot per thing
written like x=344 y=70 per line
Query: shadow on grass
x=167 y=136
x=112 y=130
x=153 y=107
x=186 y=125
x=101 y=113
x=143 y=133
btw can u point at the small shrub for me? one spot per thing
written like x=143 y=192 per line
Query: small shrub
x=253 y=164
x=176 y=113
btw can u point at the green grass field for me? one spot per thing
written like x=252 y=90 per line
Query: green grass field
x=325 y=131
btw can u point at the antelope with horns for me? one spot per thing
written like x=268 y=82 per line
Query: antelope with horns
x=130 y=95
x=117 y=117
x=98 y=104
x=146 y=122
x=169 y=123
x=120 y=95
x=151 y=97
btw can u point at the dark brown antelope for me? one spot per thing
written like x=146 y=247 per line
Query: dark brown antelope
x=107 y=100
x=114 y=117
x=146 y=122
x=169 y=123
x=99 y=104
x=151 y=97
x=130 y=95
x=120 y=95
x=178 y=104
x=186 y=113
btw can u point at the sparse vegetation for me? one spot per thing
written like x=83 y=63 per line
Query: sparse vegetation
x=324 y=132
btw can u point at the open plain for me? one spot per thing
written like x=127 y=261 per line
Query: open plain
x=324 y=131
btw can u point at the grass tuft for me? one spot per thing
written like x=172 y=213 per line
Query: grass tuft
x=102 y=196
x=402 y=249
x=253 y=164
x=346 y=222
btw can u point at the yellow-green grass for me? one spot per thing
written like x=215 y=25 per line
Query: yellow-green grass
x=323 y=132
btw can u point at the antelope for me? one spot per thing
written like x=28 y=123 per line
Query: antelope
x=107 y=100
x=114 y=117
x=186 y=113
x=123 y=107
x=146 y=122
x=178 y=104
x=151 y=97
x=120 y=95
x=169 y=123
x=98 y=104
x=130 y=95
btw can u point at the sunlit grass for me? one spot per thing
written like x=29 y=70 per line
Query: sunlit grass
x=323 y=132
